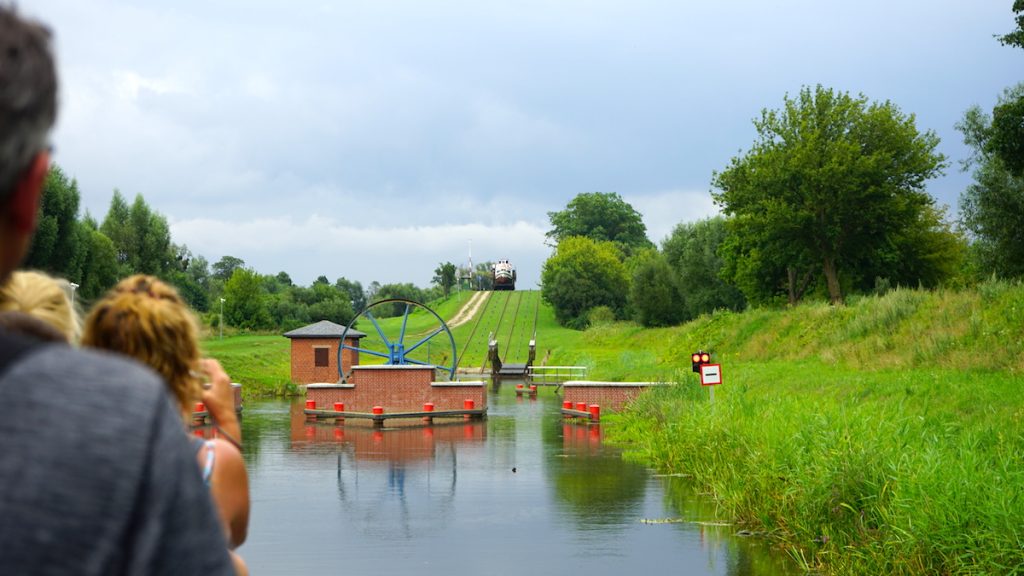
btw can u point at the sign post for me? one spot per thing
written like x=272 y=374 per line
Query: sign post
x=711 y=376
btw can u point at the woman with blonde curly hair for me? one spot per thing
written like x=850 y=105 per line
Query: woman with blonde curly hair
x=44 y=298
x=146 y=319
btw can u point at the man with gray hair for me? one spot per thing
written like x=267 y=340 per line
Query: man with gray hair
x=96 y=473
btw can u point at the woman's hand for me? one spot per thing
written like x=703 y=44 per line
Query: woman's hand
x=219 y=398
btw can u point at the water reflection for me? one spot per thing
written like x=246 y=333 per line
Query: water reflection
x=523 y=491
x=595 y=485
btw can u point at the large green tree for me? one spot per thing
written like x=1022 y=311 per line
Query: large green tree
x=654 y=295
x=354 y=290
x=69 y=247
x=583 y=274
x=1006 y=139
x=60 y=245
x=483 y=279
x=140 y=235
x=226 y=266
x=601 y=216
x=444 y=276
x=692 y=252
x=406 y=290
x=330 y=303
x=100 y=272
x=244 y=304
x=1015 y=37
x=992 y=207
x=190 y=275
x=830 y=179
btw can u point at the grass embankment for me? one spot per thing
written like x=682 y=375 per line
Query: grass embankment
x=260 y=362
x=883 y=437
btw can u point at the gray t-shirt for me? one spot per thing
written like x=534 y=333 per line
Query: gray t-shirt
x=96 y=472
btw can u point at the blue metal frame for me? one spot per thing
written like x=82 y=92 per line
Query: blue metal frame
x=397 y=350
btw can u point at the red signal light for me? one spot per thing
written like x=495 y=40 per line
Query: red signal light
x=698 y=359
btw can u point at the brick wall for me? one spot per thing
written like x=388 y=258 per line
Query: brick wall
x=397 y=389
x=610 y=396
x=304 y=369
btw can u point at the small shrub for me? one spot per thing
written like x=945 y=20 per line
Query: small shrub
x=600 y=315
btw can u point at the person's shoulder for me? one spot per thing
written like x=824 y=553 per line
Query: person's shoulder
x=88 y=370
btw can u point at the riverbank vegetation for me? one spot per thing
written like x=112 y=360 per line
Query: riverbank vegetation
x=880 y=437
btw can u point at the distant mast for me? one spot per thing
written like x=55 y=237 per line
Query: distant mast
x=469 y=273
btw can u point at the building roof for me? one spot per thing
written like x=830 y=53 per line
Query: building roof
x=323 y=329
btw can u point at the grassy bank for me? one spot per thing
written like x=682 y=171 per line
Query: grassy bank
x=884 y=472
x=261 y=363
x=883 y=437
x=972 y=329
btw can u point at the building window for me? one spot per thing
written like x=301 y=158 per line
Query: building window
x=320 y=357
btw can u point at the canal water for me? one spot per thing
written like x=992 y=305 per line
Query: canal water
x=521 y=493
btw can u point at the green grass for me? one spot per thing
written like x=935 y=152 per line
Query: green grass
x=895 y=471
x=981 y=328
x=471 y=337
x=261 y=363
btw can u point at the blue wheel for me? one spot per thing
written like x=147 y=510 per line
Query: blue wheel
x=404 y=332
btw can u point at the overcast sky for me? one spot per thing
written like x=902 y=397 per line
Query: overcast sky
x=377 y=139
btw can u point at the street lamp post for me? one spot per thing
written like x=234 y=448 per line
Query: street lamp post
x=221 y=318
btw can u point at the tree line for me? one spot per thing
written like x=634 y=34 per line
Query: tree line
x=829 y=201
x=133 y=238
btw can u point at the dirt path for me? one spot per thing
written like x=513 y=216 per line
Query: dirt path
x=469 y=309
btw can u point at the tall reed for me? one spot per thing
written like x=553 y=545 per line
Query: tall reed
x=874 y=472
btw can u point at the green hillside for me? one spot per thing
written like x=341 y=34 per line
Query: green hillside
x=978 y=329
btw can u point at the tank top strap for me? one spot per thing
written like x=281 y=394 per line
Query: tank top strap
x=208 y=465
x=211 y=453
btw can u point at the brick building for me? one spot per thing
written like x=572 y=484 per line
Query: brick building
x=314 y=353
